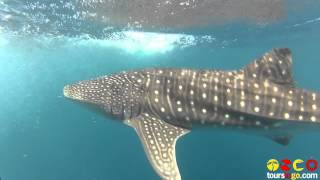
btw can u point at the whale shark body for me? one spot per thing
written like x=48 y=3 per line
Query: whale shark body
x=164 y=104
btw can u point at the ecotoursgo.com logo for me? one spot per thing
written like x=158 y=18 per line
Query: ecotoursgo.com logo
x=297 y=169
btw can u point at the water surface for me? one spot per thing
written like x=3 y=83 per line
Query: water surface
x=43 y=136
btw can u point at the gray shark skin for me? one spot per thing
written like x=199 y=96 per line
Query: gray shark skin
x=164 y=104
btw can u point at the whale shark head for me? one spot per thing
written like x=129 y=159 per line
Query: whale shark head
x=119 y=95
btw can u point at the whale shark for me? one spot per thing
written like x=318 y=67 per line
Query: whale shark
x=164 y=104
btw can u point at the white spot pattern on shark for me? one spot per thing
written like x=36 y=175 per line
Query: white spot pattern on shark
x=163 y=104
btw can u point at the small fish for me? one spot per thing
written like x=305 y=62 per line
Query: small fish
x=163 y=104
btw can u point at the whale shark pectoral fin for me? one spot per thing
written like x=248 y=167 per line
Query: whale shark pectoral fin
x=283 y=140
x=274 y=66
x=159 y=140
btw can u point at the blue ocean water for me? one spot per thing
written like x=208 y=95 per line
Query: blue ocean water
x=43 y=136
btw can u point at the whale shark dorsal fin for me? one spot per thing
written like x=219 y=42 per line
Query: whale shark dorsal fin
x=159 y=140
x=275 y=66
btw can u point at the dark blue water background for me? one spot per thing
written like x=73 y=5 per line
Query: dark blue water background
x=43 y=136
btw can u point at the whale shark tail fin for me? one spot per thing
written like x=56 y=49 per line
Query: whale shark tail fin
x=275 y=66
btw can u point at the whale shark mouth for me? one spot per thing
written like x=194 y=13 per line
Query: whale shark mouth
x=72 y=93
